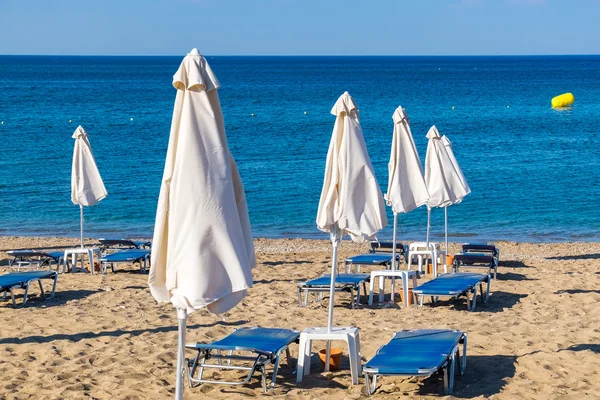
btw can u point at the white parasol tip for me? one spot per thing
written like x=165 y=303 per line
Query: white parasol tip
x=194 y=52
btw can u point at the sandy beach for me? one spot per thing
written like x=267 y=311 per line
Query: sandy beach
x=104 y=336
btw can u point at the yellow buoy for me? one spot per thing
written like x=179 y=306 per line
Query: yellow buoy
x=69 y=120
x=131 y=119
x=563 y=100
x=453 y=107
x=252 y=115
x=304 y=112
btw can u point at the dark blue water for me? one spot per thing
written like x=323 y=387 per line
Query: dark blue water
x=532 y=170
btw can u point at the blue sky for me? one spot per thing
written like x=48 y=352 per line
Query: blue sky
x=300 y=27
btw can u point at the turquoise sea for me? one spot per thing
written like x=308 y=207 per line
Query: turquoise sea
x=533 y=171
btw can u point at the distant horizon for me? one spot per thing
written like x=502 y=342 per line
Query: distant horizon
x=308 y=55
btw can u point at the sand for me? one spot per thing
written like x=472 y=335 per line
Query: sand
x=104 y=336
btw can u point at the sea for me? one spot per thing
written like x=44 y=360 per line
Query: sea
x=533 y=170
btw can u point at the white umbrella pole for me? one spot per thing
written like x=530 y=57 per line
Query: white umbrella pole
x=334 y=243
x=394 y=243
x=446 y=227
x=394 y=255
x=428 y=224
x=181 y=317
x=81 y=225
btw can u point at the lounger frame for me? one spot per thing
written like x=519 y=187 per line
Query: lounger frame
x=120 y=244
x=352 y=288
x=32 y=260
x=472 y=290
x=476 y=260
x=224 y=362
x=25 y=285
x=142 y=260
x=448 y=367
x=387 y=247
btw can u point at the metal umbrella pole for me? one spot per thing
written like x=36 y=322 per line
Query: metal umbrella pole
x=182 y=318
x=335 y=242
x=446 y=227
x=81 y=225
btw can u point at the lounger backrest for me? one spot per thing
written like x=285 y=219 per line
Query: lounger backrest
x=481 y=248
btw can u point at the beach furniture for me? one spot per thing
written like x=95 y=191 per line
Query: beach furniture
x=455 y=285
x=30 y=259
x=255 y=347
x=78 y=254
x=350 y=335
x=419 y=353
x=405 y=276
x=423 y=251
x=119 y=244
x=352 y=264
x=21 y=280
x=387 y=247
x=484 y=248
x=129 y=256
x=480 y=260
x=343 y=283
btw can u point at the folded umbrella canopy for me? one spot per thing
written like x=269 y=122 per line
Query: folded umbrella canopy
x=406 y=185
x=202 y=253
x=351 y=200
x=467 y=189
x=443 y=181
x=87 y=187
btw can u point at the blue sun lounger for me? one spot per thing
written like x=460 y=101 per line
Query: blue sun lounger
x=21 y=280
x=419 y=353
x=343 y=283
x=387 y=247
x=130 y=256
x=378 y=259
x=480 y=260
x=117 y=244
x=258 y=346
x=455 y=285
x=30 y=259
x=484 y=248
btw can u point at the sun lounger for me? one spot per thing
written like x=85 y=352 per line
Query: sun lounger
x=455 y=285
x=482 y=248
x=258 y=346
x=21 y=280
x=131 y=256
x=118 y=244
x=377 y=247
x=343 y=283
x=419 y=353
x=378 y=259
x=30 y=259
x=480 y=260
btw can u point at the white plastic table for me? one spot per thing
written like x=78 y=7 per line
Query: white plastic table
x=74 y=253
x=404 y=275
x=419 y=249
x=349 y=335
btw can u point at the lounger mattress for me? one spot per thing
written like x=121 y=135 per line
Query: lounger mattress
x=341 y=279
x=19 y=278
x=259 y=340
x=450 y=284
x=370 y=259
x=125 y=256
x=419 y=352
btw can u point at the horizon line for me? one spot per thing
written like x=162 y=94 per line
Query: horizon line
x=304 y=55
